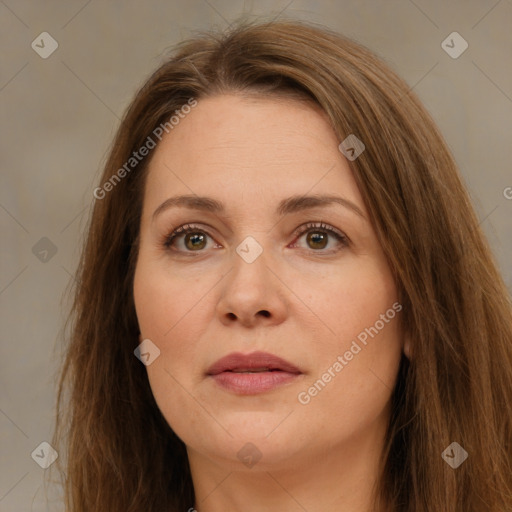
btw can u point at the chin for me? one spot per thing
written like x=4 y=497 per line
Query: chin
x=254 y=442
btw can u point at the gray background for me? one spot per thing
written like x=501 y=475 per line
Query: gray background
x=59 y=115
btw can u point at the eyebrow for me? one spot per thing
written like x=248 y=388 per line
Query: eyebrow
x=289 y=205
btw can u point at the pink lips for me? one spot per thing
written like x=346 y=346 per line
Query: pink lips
x=267 y=372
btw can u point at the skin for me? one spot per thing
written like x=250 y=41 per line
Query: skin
x=200 y=304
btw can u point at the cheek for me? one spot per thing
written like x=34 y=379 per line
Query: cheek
x=170 y=311
x=358 y=357
x=349 y=299
x=167 y=300
x=173 y=310
x=353 y=382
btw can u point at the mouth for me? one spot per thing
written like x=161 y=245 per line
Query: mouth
x=254 y=373
x=258 y=370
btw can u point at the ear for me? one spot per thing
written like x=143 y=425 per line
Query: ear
x=407 y=348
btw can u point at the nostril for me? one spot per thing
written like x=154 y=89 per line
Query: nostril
x=264 y=312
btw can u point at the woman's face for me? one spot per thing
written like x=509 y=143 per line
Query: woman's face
x=269 y=266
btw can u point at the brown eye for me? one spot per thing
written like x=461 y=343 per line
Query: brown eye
x=188 y=238
x=318 y=235
x=195 y=241
x=317 y=239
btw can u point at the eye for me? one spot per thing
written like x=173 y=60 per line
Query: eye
x=317 y=236
x=194 y=238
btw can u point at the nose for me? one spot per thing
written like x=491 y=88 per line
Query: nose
x=252 y=293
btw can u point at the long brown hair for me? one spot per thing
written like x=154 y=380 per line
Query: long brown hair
x=121 y=455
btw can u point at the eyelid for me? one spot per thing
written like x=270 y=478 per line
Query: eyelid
x=184 y=229
x=321 y=226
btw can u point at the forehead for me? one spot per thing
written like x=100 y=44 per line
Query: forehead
x=230 y=146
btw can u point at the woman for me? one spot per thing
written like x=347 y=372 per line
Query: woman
x=285 y=300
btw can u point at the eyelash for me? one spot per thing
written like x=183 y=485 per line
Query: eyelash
x=310 y=226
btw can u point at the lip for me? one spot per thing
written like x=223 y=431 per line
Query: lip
x=277 y=372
